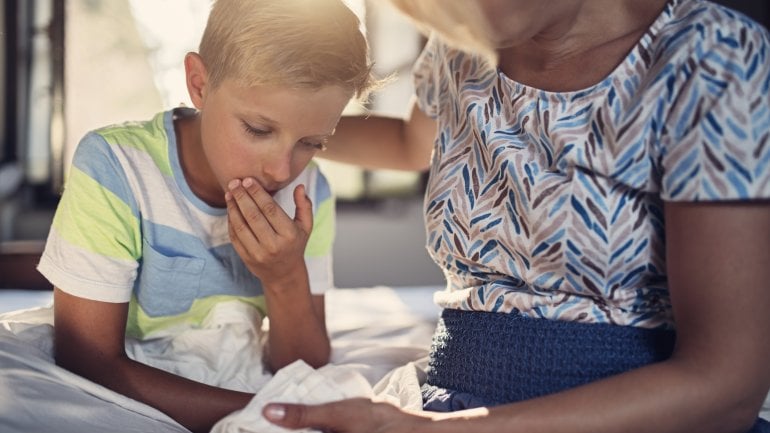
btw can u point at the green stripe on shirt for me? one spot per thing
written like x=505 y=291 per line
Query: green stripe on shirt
x=141 y=325
x=149 y=137
x=321 y=238
x=93 y=218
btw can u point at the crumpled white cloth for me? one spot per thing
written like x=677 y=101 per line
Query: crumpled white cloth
x=226 y=351
x=300 y=383
x=295 y=383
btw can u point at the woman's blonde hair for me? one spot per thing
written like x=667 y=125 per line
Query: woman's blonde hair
x=294 y=43
x=460 y=22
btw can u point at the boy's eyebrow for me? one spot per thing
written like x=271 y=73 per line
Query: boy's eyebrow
x=265 y=119
x=324 y=136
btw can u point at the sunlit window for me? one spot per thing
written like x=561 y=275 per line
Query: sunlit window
x=124 y=61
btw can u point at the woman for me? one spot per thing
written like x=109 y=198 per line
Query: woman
x=599 y=204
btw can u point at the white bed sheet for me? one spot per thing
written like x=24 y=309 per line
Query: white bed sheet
x=373 y=330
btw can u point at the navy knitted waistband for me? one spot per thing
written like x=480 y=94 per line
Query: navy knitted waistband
x=503 y=358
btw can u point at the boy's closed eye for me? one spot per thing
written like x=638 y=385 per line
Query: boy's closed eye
x=316 y=145
x=260 y=132
x=255 y=131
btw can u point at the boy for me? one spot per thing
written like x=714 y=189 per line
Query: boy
x=162 y=220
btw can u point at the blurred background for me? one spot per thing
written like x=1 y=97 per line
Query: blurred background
x=69 y=66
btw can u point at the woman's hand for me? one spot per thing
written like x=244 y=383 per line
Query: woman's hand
x=271 y=244
x=346 y=416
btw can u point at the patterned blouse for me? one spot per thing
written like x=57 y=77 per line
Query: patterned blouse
x=551 y=204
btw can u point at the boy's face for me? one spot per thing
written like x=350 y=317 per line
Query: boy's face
x=268 y=133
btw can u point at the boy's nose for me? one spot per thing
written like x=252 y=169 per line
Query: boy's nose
x=278 y=168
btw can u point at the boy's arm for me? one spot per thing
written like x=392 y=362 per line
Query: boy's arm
x=272 y=246
x=383 y=142
x=90 y=341
x=297 y=329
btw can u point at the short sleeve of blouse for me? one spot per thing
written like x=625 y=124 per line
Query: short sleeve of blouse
x=424 y=76
x=718 y=141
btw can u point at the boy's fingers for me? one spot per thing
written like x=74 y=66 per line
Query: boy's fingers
x=237 y=226
x=268 y=207
x=249 y=209
x=304 y=213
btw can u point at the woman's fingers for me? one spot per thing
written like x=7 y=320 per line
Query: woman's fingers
x=296 y=416
x=357 y=415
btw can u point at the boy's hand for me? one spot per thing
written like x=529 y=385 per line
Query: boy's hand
x=271 y=244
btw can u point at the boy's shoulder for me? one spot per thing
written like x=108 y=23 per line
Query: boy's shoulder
x=150 y=129
x=137 y=139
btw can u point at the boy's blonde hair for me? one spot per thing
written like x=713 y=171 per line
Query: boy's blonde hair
x=460 y=22
x=294 y=43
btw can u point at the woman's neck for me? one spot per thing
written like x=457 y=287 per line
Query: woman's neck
x=582 y=47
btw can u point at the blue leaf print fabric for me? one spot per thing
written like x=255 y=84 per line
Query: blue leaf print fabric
x=551 y=204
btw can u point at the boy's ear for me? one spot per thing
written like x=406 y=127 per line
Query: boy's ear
x=197 y=78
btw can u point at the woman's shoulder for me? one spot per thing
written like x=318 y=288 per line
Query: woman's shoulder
x=698 y=29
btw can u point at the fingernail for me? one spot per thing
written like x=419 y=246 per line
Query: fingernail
x=233 y=184
x=248 y=182
x=275 y=412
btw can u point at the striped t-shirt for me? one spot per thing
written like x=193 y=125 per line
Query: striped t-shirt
x=551 y=203
x=128 y=228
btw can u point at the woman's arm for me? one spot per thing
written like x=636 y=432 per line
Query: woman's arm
x=718 y=261
x=383 y=142
x=89 y=341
